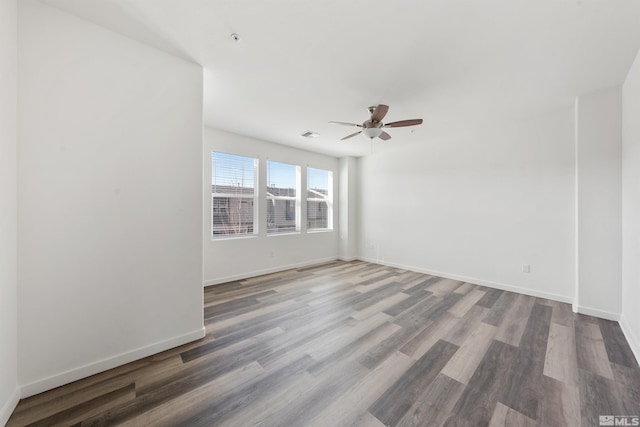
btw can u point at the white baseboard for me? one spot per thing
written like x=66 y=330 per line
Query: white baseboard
x=75 y=374
x=347 y=258
x=632 y=338
x=599 y=313
x=270 y=270
x=9 y=406
x=501 y=286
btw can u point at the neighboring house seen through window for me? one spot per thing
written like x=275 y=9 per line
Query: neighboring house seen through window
x=233 y=195
x=319 y=199
x=283 y=198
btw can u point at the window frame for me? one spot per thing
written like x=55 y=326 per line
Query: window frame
x=271 y=200
x=327 y=199
x=253 y=198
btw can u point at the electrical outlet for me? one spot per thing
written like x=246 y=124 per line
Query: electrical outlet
x=526 y=268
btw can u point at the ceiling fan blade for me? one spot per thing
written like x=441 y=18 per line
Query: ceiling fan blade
x=351 y=136
x=385 y=136
x=345 y=124
x=379 y=113
x=402 y=123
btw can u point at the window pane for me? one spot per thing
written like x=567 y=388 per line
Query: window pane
x=319 y=199
x=282 y=197
x=233 y=195
x=317 y=215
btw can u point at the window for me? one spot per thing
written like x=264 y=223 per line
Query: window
x=233 y=195
x=283 y=198
x=319 y=199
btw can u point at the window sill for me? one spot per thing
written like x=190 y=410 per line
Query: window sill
x=283 y=233
x=234 y=237
x=320 y=231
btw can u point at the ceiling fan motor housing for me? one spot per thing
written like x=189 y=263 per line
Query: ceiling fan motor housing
x=369 y=124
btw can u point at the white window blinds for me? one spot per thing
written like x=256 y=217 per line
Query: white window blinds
x=233 y=195
x=283 y=198
x=319 y=199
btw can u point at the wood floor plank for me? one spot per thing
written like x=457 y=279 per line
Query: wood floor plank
x=84 y=388
x=428 y=336
x=216 y=326
x=175 y=410
x=464 y=363
x=591 y=351
x=398 y=399
x=264 y=405
x=503 y=416
x=460 y=308
x=562 y=313
x=628 y=380
x=355 y=343
x=310 y=404
x=383 y=276
x=434 y=404
x=490 y=298
x=443 y=287
x=406 y=303
x=381 y=306
x=598 y=396
x=147 y=382
x=463 y=328
x=355 y=349
x=523 y=391
x=558 y=403
x=501 y=307
x=561 y=360
x=465 y=288
x=46 y=409
x=511 y=329
x=367 y=420
x=478 y=401
x=345 y=411
x=232 y=403
x=618 y=350
x=338 y=338
x=90 y=408
x=419 y=284
x=377 y=295
x=387 y=347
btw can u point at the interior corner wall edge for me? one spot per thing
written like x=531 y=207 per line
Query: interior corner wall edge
x=479 y=204
x=348 y=208
x=599 y=202
x=109 y=197
x=631 y=206
x=229 y=259
x=9 y=392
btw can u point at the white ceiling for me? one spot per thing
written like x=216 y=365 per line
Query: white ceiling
x=454 y=63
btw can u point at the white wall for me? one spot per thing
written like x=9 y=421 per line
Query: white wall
x=8 y=209
x=232 y=259
x=477 y=205
x=599 y=203
x=109 y=199
x=348 y=208
x=630 y=320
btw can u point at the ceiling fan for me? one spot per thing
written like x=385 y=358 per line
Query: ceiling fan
x=374 y=128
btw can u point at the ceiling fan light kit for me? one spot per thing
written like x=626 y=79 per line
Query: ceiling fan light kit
x=374 y=128
x=372 y=132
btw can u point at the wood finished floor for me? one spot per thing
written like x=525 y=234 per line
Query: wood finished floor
x=354 y=343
